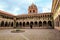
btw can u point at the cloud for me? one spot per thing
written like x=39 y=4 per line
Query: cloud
x=30 y=1
x=21 y=6
x=3 y=6
x=46 y=10
x=14 y=10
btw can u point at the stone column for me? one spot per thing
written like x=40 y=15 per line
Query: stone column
x=4 y=24
x=0 y=24
x=14 y=24
x=47 y=25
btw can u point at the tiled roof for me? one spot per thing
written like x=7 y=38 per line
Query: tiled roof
x=6 y=13
x=23 y=15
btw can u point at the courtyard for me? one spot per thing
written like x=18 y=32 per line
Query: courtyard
x=30 y=34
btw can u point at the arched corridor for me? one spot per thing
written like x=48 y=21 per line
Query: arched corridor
x=11 y=24
x=44 y=23
x=27 y=24
x=50 y=23
x=20 y=24
x=35 y=23
x=40 y=24
x=2 y=24
x=23 y=24
x=31 y=24
x=6 y=24
x=17 y=24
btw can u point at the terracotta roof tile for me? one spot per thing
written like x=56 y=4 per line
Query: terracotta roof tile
x=6 y=13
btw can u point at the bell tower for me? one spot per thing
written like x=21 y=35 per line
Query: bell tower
x=32 y=9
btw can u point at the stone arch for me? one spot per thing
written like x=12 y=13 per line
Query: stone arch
x=17 y=24
x=24 y=24
x=50 y=23
x=2 y=23
x=6 y=23
x=40 y=23
x=49 y=15
x=20 y=23
x=27 y=23
x=35 y=24
x=31 y=24
x=44 y=23
x=11 y=24
x=45 y=16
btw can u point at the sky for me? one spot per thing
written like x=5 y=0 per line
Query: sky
x=17 y=7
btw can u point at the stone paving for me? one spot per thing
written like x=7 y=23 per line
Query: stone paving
x=58 y=28
x=30 y=34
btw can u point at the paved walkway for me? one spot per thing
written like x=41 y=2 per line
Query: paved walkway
x=30 y=34
x=58 y=28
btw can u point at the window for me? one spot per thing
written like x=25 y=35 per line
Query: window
x=33 y=11
x=50 y=15
x=41 y=15
x=30 y=11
